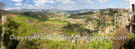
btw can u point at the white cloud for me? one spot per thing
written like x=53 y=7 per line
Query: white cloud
x=68 y=7
x=18 y=4
x=126 y=3
x=86 y=1
x=17 y=0
x=90 y=2
x=28 y=0
x=61 y=4
x=42 y=2
x=72 y=4
x=9 y=8
x=132 y=1
x=102 y=1
x=28 y=6
x=66 y=2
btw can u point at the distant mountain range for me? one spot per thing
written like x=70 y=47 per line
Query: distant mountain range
x=44 y=10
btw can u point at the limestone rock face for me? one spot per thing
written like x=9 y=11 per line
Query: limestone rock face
x=106 y=30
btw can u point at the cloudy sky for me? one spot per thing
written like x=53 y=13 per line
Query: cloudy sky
x=65 y=4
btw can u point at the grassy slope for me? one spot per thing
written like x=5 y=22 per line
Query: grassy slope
x=51 y=27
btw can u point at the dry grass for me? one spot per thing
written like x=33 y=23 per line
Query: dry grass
x=75 y=21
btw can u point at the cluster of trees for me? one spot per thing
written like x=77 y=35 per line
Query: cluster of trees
x=80 y=15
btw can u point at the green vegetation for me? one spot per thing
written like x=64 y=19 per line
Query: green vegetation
x=130 y=43
x=60 y=23
x=81 y=15
x=27 y=28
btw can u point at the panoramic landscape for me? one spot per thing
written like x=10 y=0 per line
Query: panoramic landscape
x=67 y=24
